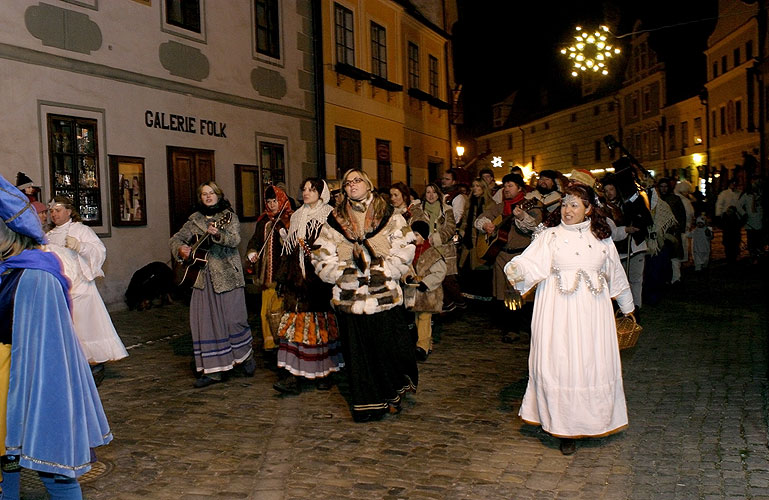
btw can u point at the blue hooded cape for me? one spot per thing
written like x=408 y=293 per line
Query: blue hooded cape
x=54 y=412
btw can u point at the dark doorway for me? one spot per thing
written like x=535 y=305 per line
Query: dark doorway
x=348 y=150
x=384 y=169
x=433 y=167
x=187 y=169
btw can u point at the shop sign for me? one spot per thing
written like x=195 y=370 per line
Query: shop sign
x=182 y=123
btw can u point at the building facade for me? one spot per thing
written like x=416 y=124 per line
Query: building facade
x=128 y=106
x=733 y=86
x=387 y=83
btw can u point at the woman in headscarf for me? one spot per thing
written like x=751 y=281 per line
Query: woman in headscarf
x=221 y=336
x=50 y=412
x=83 y=254
x=308 y=335
x=363 y=250
x=263 y=252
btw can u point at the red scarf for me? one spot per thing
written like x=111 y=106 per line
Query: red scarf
x=420 y=250
x=509 y=204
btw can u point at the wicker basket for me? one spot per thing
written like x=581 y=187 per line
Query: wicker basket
x=628 y=330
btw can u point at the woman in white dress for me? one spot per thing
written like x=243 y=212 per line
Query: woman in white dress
x=82 y=254
x=575 y=374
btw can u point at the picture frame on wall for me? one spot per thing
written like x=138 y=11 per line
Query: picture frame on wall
x=247 y=196
x=129 y=195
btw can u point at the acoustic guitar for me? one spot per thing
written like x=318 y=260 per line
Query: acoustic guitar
x=488 y=246
x=187 y=271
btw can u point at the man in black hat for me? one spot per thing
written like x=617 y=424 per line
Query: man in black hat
x=548 y=190
x=508 y=227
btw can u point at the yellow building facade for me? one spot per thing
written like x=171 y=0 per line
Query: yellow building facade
x=386 y=81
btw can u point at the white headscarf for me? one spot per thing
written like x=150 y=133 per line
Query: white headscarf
x=306 y=220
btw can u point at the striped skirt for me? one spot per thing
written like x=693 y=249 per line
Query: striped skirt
x=221 y=336
x=309 y=344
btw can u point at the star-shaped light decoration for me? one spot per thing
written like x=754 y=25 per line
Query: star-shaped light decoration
x=497 y=162
x=590 y=51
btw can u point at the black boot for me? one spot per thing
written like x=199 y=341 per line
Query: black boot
x=287 y=385
x=97 y=371
x=568 y=446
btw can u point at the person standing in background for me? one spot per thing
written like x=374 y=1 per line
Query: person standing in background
x=83 y=254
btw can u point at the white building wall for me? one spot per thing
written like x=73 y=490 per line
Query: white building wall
x=123 y=79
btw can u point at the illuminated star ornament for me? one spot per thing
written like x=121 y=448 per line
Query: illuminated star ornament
x=590 y=51
x=497 y=162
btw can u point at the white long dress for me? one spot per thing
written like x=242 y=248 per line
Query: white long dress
x=93 y=326
x=575 y=373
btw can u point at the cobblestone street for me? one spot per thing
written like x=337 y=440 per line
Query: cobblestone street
x=696 y=388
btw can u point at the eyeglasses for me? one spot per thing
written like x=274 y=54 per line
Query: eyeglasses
x=352 y=182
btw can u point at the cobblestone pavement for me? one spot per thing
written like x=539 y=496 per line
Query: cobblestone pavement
x=696 y=389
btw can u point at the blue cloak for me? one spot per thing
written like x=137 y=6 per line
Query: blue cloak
x=54 y=415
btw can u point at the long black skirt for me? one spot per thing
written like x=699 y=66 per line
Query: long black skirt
x=381 y=361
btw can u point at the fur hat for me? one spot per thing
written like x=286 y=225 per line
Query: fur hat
x=421 y=227
x=550 y=174
x=22 y=181
x=514 y=178
x=583 y=177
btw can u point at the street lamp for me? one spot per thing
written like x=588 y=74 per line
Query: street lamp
x=460 y=152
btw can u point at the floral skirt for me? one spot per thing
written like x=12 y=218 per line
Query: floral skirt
x=309 y=344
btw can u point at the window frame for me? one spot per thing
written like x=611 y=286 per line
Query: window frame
x=685 y=134
x=434 y=76
x=344 y=53
x=180 y=31
x=378 y=50
x=275 y=32
x=78 y=153
x=413 y=65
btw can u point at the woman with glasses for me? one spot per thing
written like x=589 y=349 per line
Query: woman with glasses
x=363 y=250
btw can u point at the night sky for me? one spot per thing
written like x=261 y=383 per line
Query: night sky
x=502 y=46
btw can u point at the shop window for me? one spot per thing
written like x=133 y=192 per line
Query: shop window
x=378 y=51
x=74 y=164
x=267 y=28
x=345 y=35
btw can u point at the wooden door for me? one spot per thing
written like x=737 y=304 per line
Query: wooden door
x=187 y=169
x=348 y=150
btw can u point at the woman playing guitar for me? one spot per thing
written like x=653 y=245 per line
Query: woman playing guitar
x=221 y=336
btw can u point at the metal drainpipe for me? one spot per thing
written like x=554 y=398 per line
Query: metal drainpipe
x=523 y=145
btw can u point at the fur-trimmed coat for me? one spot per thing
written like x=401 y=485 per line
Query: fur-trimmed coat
x=430 y=269
x=442 y=234
x=223 y=258
x=375 y=287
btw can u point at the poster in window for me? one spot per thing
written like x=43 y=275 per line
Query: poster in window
x=129 y=198
x=247 y=186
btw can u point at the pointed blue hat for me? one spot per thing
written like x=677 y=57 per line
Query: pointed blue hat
x=18 y=213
